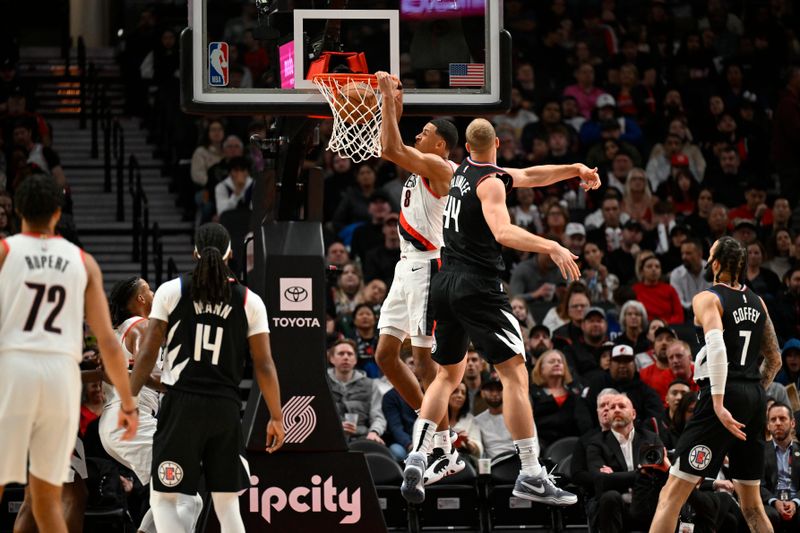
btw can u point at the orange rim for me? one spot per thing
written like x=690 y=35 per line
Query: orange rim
x=328 y=78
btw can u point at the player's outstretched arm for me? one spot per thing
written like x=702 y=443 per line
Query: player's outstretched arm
x=770 y=350
x=492 y=195
x=267 y=378
x=114 y=361
x=431 y=166
x=708 y=313
x=544 y=175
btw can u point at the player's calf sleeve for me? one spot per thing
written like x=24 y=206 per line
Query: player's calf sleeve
x=189 y=509
x=422 y=435
x=527 y=449
x=165 y=511
x=226 y=505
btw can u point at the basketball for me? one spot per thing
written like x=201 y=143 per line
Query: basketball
x=357 y=102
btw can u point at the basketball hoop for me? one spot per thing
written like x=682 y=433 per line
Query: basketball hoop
x=356 y=106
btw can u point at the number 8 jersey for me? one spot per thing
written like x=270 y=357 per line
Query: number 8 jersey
x=421 y=211
x=207 y=344
x=42 y=290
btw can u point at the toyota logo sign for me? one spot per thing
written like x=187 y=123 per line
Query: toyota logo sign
x=295 y=294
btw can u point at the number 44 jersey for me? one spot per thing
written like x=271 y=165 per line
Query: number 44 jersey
x=207 y=343
x=42 y=288
x=468 y=241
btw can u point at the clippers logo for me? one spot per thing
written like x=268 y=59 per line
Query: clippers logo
x=699 y=457
x=170 y=473
x=295 y=294
x=218 y=64
x=299 y=419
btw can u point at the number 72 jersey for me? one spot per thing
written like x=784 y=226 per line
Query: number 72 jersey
x=42 y=290
x=207 y=343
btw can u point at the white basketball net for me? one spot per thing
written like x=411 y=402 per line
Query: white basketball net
x=356 y=125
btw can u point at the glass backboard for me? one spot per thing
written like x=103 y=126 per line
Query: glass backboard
x=254 y=56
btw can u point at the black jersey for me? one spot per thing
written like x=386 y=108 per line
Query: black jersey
x=743 y=319
x=207 y=344
x=468 y=241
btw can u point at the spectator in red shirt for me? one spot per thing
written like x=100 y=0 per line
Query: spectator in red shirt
x=659 y=298
x=584 y=91
x=91 y=404
x=659 y=375
x=679 y=355
x=755 y=206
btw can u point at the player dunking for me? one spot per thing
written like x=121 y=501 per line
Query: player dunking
x=210 y=323
x=730 y=415
x=406 y=311
x=46 y=286
x=469 y=304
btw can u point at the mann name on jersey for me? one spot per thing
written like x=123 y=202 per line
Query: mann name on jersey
x=219 y=309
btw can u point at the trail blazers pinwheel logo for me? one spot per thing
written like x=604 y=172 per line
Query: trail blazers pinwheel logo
x=296 y=294
x=299 y=419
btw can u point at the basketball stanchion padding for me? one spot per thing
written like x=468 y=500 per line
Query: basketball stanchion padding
x=356 y=106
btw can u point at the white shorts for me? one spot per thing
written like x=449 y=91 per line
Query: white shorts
x=40 y=403
x=406 y=310
x=136 y=454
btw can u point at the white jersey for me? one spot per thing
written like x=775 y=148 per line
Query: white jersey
x=148 y=398
x=42 y=289
x=421 y=212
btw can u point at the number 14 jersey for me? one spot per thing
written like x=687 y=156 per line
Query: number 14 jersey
x=207 y=344
x=42 y=289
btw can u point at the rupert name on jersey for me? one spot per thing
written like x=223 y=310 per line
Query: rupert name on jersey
x=40 y=262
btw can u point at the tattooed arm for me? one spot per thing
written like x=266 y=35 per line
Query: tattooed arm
x=771 y=352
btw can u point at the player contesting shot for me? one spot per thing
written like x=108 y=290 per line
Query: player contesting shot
x=730 y=416
x=210 y=323
x=469 y=304
x=47 y=285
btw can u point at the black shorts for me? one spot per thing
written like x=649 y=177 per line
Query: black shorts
x=705 y=442
x=198 y=435
x=470 y=307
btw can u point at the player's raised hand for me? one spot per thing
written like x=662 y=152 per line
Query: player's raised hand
x=386 y=83
x=730 y=423
x=565 y=261
x=275 y=435
x=590 y=178
x=129 y=421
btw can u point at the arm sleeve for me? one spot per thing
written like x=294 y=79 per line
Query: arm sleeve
x=165 y=300
x=377 y=422
x=256 y=311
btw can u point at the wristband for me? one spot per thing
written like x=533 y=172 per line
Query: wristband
x=125 y=411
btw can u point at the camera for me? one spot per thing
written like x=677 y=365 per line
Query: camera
x=651 y=456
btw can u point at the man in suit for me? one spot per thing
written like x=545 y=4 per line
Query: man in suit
x=613 y=461
x=579 y=473
x=781 y=481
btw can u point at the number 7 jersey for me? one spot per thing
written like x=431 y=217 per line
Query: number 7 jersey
x=42 y=290
x=207 y=344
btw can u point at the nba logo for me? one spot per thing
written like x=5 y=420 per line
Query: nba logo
x=218 y=64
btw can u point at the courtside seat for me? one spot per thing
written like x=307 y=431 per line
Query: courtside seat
x=387 y=477
x=506 y=511
x=453 y=503
x=9 y=506
x=370 y=447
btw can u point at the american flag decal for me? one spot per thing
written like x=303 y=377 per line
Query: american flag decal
x=467 y=74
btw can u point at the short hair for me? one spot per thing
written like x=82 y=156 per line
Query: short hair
x=480 y=134
x=694 y=241
x=362 y=305
x=239 y=163
x=637 y=305
x=679 y=382
x=351 y=343
x=781 y=404
x=447 y=131
x=536 y=373
x=732 y=257
x=606 y=392
x=38 y=198
x=232 y=139
x=683 y=344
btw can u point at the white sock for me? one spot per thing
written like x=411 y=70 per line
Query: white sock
x=189 y=509
x=165 y=511
x=226 y=506
x=441 y=440
x=526 y=449
x=422 y=435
